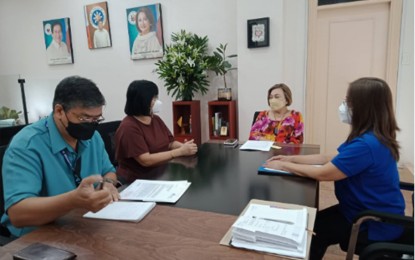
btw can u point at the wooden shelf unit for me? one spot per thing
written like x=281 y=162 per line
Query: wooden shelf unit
x=227 y=110
x=189 y=112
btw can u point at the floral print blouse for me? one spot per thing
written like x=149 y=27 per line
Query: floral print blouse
x=288 y=130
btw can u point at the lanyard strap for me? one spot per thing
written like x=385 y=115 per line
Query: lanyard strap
x=76 y=170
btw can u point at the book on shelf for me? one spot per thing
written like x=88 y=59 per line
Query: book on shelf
x=153 y=190
x=272 y=227
x=123 y=210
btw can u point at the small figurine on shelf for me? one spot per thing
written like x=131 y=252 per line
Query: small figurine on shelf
x=190 y=124
x=180 y=124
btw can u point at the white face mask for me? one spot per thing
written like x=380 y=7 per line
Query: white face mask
x=345 y=114
x=157 y=106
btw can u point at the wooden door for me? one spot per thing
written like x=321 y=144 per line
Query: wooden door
x=345 y=42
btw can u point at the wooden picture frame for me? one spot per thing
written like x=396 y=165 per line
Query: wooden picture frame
x=97 y=24
x=57 y=35
x=147 y=42
x=258 y=32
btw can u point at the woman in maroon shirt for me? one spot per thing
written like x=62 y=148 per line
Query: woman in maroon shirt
x=143 y=141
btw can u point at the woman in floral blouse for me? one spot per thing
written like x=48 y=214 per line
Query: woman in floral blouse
x=279 y=124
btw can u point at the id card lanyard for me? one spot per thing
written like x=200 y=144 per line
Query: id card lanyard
x=76 y=169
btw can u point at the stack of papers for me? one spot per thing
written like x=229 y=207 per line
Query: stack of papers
x=123 y=210
x=257 y=145
x=270 y=229
x=157 y=191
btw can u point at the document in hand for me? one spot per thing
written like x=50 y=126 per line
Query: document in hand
x=158 y=191
x=257 y=145
x=273 y=227
x=123 y=210
x=269 y=171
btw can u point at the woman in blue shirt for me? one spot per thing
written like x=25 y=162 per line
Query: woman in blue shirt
x=365 y=169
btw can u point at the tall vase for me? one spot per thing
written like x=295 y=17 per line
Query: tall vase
x=187 y=94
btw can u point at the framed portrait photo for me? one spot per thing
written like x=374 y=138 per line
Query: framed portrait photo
x=145 y=30
x=57 y=34
x=97 y=25
x=258 y=32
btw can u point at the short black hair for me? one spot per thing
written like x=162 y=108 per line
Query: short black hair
x=140 y=93
x=75 y=91
x=55 y=24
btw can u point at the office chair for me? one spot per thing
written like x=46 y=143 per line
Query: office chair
x=4 y=232
x=7 y=133
x=255 y=116
x=107 y=131
x=404 y=245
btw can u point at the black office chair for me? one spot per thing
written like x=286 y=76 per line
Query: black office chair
x=395 y=249
x=255 y=116
x=107 y=131
x=4 y=232
x=7 y=133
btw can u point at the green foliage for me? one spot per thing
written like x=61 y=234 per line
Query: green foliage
x=185 y=64
x=223 y=66
x=7 y=113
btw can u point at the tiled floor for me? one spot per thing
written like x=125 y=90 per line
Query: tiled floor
x=327 y=198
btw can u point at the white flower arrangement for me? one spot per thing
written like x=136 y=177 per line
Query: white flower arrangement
x=185 y=64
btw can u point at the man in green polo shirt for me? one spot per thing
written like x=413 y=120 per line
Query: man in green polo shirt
x=55 y=164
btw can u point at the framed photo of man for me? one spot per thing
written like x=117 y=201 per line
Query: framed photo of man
x=57 y=35
x=145 y=32
x=97 y=25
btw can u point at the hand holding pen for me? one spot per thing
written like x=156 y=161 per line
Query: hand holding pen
x=94 y=197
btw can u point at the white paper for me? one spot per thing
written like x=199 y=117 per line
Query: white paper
x=123 y=210
x=270 y=229
x=296 y=217
x=257 y=145
x=158 y=191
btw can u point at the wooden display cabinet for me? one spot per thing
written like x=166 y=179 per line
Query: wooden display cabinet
x=222 y=116
x=186 y=121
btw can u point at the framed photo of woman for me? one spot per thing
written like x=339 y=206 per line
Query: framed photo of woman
x=145 y=31
x=97 y=25
x=57 y=34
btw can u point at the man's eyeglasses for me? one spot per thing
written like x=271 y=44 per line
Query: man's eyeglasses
x=86 y=119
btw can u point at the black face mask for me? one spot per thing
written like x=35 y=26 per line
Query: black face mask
x=81 y=131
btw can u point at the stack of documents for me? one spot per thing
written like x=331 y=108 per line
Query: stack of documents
x=157 y=191
x=257 y=145
x=271 y=229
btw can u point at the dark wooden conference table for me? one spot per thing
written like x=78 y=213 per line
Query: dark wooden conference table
x=223 y=180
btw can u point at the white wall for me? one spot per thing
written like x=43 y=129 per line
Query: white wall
x=282 y=62
x=22 y=51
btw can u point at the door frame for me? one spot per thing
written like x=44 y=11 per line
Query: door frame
x=392 y=61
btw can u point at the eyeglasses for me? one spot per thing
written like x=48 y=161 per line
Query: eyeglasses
x=87 y=119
